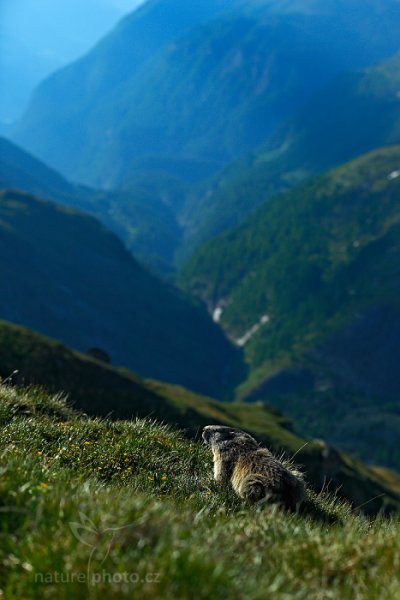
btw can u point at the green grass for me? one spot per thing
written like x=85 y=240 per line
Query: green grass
x=103 y=391
x=93 y=499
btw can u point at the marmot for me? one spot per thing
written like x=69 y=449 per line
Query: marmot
x=254 y=473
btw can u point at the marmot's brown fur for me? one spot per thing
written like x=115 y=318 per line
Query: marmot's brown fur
x=254 y=473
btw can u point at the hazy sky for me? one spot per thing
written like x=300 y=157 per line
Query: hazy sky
x=38 y=36
x=60 y=28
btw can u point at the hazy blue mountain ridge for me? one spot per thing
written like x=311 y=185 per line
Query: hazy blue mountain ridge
x=354 y=114
x=202 y=81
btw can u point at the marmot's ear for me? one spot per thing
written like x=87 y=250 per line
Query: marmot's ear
x=206 y=435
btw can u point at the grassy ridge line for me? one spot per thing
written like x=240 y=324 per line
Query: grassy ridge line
x=100 y=390
x=373 y=488
x=84 y=496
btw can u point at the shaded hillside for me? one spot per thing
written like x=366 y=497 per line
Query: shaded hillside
x=140 y=214
x=356 y=113
x=20 y=170
x=100 y=390
x=204 y=81
x=65 y=275
x=315 y=273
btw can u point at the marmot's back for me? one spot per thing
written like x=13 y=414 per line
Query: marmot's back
x=260 y=475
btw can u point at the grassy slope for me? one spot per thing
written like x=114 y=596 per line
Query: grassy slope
x=85 y=289
x=100 y=390
x=101 y=498
x=322 y=262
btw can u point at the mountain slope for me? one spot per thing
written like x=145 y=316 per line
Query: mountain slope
x=65 y=275
x=120 y=54
x=38 y=37
x=20 y=170
x=204 y=81
x=310 y=286
x=103 y=391
x=140 y=215
x=356 y=113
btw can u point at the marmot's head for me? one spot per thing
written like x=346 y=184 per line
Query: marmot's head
x=218 y=436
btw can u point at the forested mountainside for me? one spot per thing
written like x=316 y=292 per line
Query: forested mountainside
x=309 y=285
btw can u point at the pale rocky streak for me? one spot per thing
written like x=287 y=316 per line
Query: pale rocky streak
x=217 y=314
x=251 y=332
